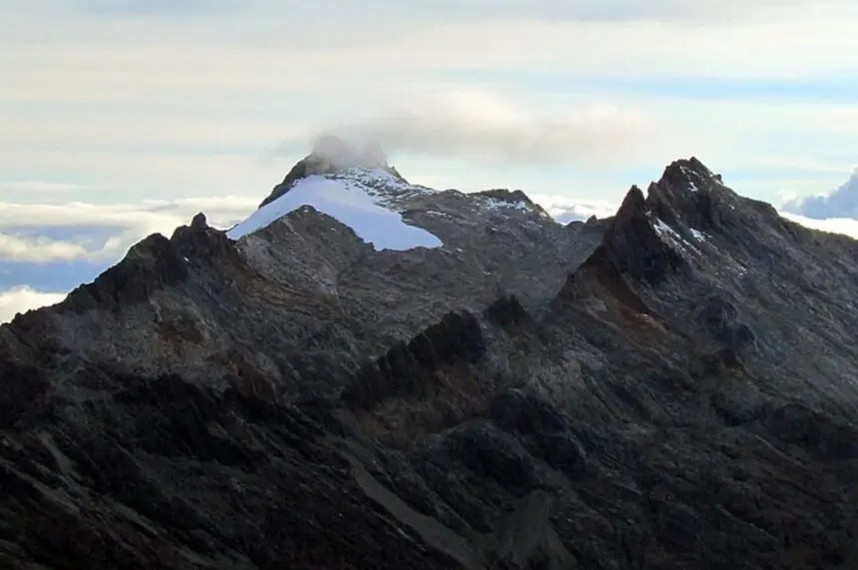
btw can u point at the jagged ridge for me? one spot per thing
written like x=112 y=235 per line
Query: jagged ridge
x=297 y=399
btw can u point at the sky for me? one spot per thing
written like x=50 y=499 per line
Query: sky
x=119 y=118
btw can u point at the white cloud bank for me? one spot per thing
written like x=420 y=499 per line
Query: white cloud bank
x=42 y=187
x=836 y=212
x=845 y=226
x=39 y=249
x=483 y=126
x=22 y=299
x=565 y=209
x=25 y=229
x=841 y=203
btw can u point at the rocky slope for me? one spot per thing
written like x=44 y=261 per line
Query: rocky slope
x=670 y=388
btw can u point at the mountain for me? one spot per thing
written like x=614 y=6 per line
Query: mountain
x=448 y=381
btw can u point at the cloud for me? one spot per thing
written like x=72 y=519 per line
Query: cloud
x=157 y=7
x=841 y=203
x=193 y=109
x=565 y=209
x=617 y=10
x=18 y=248
x=43 y=187
x=96 y=232
x=487 y=127
x=584 y=10
x=845 y=226
x=103 y=100
x=22 y=299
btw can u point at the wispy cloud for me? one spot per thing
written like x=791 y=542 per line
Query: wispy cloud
x=469 y=10
x=483 y=126
x=42 y=187
x=158 y=7
x=620 y=10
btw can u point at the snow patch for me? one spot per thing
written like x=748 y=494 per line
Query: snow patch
x=670 y=235
x=384 y=187
x=698 y=235
x=376 y=178
x=690 y=175
x=351 y=201
x=663 y=230
x=496 y=204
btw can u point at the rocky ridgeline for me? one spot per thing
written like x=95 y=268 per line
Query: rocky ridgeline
x=670 y=388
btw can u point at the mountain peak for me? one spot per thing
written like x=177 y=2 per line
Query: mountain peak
x=637 y=247
x=645 y=239
x=331 y=154
x=690 y=192
x=633 y=203
x=688 y=174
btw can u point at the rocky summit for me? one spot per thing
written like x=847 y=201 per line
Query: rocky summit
x=371 y=374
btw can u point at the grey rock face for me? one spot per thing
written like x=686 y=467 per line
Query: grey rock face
x=671 y=388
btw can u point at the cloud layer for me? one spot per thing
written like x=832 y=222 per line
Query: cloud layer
x=157 y=100
x=39 y=249
x=55 y=247
x=841 y=203
x=845 y=226
x=99 y=232
x=566 y=209
x=22 y=299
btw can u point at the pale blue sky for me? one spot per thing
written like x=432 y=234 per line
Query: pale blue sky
x=205 y=104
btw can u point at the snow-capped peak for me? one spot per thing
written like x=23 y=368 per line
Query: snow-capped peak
x=334 y=156
x=360 y=198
